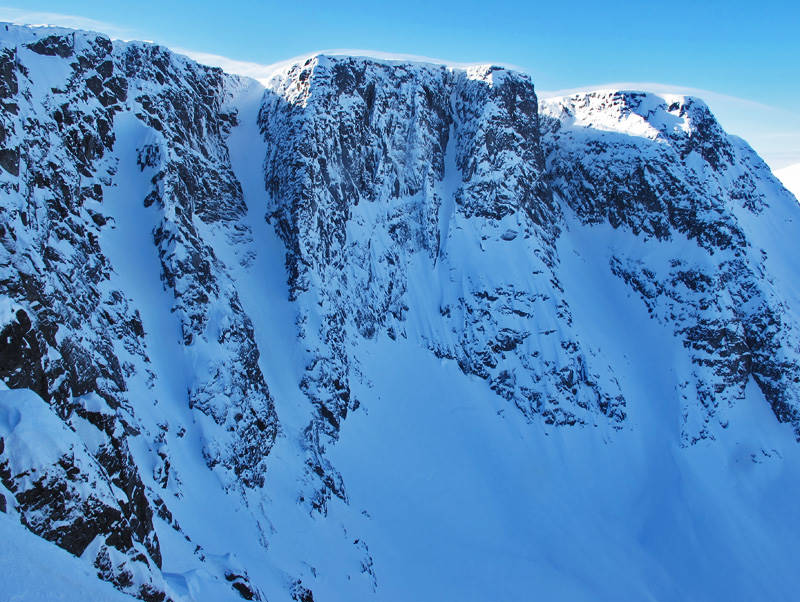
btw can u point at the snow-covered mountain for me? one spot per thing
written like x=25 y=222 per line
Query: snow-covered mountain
x=386 y=330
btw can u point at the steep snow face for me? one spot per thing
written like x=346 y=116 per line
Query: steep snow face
x=387 y=330
x=36 y=571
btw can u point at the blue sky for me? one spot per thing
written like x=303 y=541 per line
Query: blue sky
x=743 y=57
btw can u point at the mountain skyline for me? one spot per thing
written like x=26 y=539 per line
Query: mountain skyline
x=750 y=88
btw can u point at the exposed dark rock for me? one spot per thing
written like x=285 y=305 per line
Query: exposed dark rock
x=300 y=593
x=63 y=46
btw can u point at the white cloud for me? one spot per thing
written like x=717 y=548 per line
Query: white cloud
x=256 y=71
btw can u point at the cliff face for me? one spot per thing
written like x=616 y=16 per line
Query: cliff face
x=81 y=118
x=409 y=190
x=663 y=169
x=239 y=323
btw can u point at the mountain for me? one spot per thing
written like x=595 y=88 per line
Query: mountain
x=790 y=177
x=387 y=330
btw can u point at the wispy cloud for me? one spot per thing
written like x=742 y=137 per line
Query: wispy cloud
x=256 y=71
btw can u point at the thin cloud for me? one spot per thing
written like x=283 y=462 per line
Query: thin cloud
x=257 y=71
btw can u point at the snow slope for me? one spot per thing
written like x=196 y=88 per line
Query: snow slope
x=33 y=570
x=386 y=330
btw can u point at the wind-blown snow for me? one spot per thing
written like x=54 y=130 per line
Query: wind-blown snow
x=790 y=177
